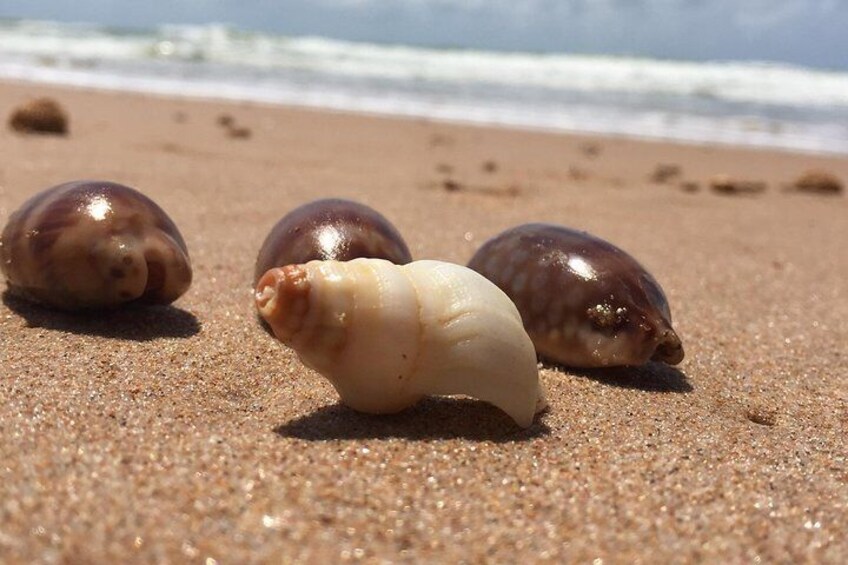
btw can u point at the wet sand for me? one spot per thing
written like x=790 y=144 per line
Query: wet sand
x=186 y=433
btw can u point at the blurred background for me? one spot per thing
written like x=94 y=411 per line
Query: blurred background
x=755 y=72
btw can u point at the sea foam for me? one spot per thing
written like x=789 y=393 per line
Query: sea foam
x=731 y=102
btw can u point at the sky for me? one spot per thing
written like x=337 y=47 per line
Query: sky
x=805 y=32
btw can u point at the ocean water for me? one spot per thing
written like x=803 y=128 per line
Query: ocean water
x=745 y=103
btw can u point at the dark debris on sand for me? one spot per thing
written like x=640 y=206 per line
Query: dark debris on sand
x=665 y=172
x=590 y=150
x=819 y=182
x=727 y=185
x=42 y=115
x=231 y=127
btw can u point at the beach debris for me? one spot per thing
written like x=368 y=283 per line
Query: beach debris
x=500 y=190
x=451 y=185
x=762 y=415
x=490 y=166
x=42 y=115
x=725 y=184
x=577 y=174
x=584 y=301
x=440 y=140
x=818 y=182
x=590 y=150
x=665 y=172
x=386 y=335
x=225 y=120
x=93 y=244
x=239 y=132
x=232 y=129
x=328 y=229
x=690 y=186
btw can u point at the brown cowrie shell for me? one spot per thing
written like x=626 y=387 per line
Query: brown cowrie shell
x=93 y=244
x=584 y=301
x=330 y=230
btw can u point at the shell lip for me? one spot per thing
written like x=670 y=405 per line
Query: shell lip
x=669 y=348
x=277 y=294
x=267 y=290
x=265 y=293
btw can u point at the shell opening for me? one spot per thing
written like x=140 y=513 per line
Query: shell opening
x=155 y=281
x=669 y=348
x=265 y=298
x=282 y=299
x=270 y=286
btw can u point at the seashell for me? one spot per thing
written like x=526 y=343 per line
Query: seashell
x=725 y=184
x=330 y=229
x=816 y=181
x=584 y=301
x=386 y=335
x=43 y=115
x=93 y=244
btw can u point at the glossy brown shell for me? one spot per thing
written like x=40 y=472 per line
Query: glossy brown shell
x=93 y=244
x=584 y=301
x=330 y=229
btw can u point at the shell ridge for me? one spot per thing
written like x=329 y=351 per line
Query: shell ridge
x=415 y=362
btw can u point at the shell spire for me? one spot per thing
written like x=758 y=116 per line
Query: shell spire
x=387 y=335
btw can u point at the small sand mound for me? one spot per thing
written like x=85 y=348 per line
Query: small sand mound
x=724 y=184
x=819 y=182
x=43 y=115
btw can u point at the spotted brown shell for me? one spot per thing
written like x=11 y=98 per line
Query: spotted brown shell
x=93 y=244
x=584 y=301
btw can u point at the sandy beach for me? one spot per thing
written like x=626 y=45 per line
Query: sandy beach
x=187 y=434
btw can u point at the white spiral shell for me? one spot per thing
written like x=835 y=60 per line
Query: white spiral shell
x=386 y=335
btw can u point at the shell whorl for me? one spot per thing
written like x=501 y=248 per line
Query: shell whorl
x=93 y=244
x=584 y=301
x=385 y=335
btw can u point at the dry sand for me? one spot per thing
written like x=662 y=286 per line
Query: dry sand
x=187 y=433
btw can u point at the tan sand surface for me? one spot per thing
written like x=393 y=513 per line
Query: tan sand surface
x=188 y=434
